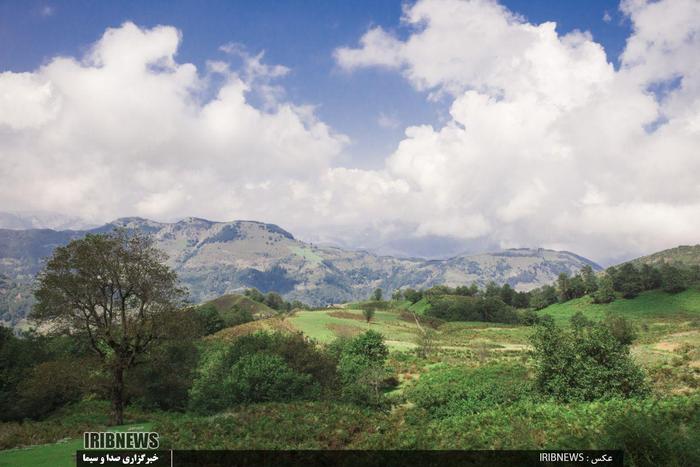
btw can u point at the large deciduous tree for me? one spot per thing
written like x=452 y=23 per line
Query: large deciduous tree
x=115 y=290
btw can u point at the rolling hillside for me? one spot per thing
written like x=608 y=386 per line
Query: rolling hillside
x=685 y=254
x=217 y=258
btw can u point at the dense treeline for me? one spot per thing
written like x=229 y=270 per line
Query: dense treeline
x=626 y=281
x=499 y=304
x=273 y=300
x=503 y=304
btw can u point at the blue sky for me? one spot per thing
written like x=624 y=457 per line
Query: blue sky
x=300 y=34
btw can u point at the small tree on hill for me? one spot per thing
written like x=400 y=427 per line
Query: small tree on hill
x=368 y=313
x=377 y=294
x=116 y=291
x=673 y=278
x=605 y=292
x=589 y=280
x=628 y=281
x=564 y=287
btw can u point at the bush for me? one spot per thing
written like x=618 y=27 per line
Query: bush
x=584 y=363
x=621 y=328
x=674 y=278
x=361 y=368
x=51 y=385
x=262 y=377
x=226 y=370
x=448 y=391
x=657 y=433
x=209 y=319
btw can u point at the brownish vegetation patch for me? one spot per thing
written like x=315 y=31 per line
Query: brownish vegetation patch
x=346 y=315
x=343 y=330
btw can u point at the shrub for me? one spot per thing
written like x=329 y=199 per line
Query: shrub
x=209 y=319
x=361 y=368
x=621 y=328
x=605 y=292
x=450 y=390
x=584 y=363
x=306 y=370
x=262 y=377
x=673 y=278
x=51 y=385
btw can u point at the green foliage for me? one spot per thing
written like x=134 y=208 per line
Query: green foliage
x=39 y=373
x=53 y=384
x=656 y=432
x=590 y=283
x=294 y=425
x=370 y=346
x=209 y=319
x=262 y=377
x=254 y=294
x=275 y=301
x=584 y=363
x=427 y=343
x=227 y=376
x=361 y=368
x=412 y=295
x=447 y=391
x=605 y=292
x=621 y=328
x=627 y=280
x=461 y=308
x=117 y=291
x=543 y=297
x=673 y=278
x=376 y=295
x=368 y=313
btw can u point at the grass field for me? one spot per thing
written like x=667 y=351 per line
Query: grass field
x=649 y=306
x=59 y=454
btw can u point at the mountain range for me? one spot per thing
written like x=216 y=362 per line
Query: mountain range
x=214 y=258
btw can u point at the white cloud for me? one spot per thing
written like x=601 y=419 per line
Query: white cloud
x=546 y=143
x=126 y=130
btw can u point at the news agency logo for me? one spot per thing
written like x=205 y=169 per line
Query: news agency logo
x=120 y=440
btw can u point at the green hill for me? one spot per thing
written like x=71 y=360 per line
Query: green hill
x=652 y=305
x=226 y=303
x=685 y=254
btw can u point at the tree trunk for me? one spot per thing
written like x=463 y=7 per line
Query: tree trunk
x=118 y=395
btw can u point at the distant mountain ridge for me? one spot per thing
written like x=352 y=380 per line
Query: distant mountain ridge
x=216 y=258
x=684 y=254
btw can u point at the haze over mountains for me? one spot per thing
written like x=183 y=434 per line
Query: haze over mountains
x=213 y=258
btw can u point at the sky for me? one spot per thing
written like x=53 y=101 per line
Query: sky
x=424 y=128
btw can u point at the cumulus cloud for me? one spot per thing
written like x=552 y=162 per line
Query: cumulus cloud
x=546 y=144
x=128 y=130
